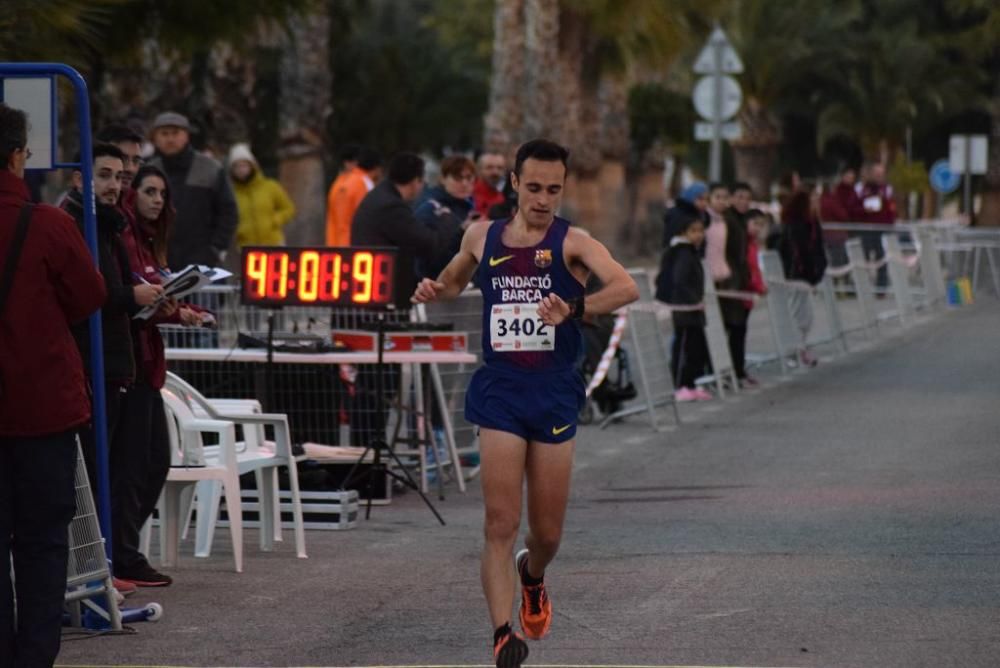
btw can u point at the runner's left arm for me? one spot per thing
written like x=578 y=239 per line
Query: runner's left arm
x=619 y=288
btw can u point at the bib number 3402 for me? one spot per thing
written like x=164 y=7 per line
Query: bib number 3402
x=517 y=328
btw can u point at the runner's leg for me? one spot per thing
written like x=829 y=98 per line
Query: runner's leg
x=502 y=458
x=549 y=469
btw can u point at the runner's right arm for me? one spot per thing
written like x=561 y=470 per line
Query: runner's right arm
x=459 y=271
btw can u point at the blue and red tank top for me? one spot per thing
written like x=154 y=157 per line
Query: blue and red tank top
x=523 y=276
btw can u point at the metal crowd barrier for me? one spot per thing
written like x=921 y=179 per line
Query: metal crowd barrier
x=899 y=278
x=646 y=348
x=784 y=332
x=864 y=291
x=723 y=369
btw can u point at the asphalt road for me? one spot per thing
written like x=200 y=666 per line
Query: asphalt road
x=846 y=516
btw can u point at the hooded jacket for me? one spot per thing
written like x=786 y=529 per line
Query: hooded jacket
x=676 y=219
x=264 y=206
x=681 y=281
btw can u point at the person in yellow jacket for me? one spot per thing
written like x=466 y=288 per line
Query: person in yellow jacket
x=265 y=207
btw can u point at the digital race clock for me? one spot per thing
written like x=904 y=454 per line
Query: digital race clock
x=279 y=276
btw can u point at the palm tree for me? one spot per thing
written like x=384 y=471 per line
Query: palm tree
x=562 y=68
x=52 y=30
x=892 y=79
x=551 y=57
x=786 y=47
x=305 y=92
x=503 y=121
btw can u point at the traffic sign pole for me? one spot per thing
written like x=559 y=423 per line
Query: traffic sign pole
x=717 y=97
x=715 y=157
x=967 y=178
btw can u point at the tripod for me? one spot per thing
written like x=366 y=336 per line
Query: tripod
x=379 y=469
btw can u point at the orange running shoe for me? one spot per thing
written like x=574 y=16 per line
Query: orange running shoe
x=536 y=608
x=510 y=650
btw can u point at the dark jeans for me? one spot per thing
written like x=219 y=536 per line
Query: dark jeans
x=738 y=347
x=872 y=244
x=689 y=354
x=140 y=461
x=37 y=504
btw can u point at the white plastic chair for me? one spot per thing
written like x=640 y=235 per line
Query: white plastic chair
x=254 y=454
x=185 y=431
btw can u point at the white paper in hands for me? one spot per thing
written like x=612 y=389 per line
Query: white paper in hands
x=179 y=285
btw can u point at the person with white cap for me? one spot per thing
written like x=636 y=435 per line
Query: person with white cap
x=206 y=209
x=265 y=208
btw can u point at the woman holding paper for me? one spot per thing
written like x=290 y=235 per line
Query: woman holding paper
x=140 y=453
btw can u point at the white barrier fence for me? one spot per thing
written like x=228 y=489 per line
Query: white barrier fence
x=917 y=283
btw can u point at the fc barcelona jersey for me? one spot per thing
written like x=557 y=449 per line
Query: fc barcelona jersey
x=513 y=282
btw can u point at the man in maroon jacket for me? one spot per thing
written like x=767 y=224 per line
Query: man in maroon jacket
x=43 y=401
x=840 y=204
x=879 y=206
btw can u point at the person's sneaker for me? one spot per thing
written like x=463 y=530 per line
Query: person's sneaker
x=123 y=587
x=749 y=383
x=146 y=576
x=685 y=394
x=510 y=650
x=701 y=394
x=807 y=359
x=536 y=608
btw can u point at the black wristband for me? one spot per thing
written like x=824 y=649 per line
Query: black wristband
x=576 y=308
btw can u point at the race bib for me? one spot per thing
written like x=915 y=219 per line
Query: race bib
x=517 y=328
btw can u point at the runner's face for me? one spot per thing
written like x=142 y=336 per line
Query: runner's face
x=539 y=190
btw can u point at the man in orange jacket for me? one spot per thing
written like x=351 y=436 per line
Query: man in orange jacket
x=347 y=191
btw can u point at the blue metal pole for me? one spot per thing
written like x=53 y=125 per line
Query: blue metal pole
x=86 y=167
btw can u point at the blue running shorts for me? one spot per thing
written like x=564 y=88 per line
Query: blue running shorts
x=537 y=406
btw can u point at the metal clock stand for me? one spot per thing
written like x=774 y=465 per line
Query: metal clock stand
x=379 y=468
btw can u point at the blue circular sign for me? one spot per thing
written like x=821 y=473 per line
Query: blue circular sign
x=942 y=178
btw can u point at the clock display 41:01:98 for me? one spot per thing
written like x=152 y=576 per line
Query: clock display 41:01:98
x=309 y=276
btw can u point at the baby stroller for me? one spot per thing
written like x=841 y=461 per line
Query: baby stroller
x=617 y=387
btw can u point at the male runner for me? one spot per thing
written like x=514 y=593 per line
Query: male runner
x=532 y=271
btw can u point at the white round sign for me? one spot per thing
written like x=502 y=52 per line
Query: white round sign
x=704 y=98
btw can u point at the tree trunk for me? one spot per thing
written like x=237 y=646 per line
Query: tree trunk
x=305 y=104
x=544 y=82
x=989 y=212
x=502 y=124
x=614 y=126
x=756 y=151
